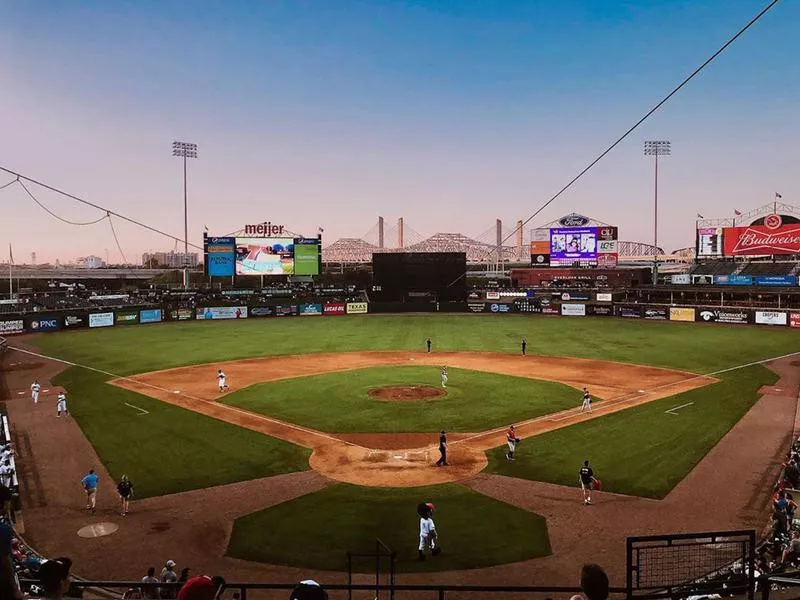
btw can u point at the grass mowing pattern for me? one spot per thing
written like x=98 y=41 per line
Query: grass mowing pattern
x=694 y=347
x=640 y=451
x=171 y=449
x=339 y=402
x=316 y=531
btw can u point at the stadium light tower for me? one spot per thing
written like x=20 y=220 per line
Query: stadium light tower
x=185 y=150
x=656 y=148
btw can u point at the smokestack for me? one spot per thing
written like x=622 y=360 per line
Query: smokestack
x=400 y=242
x=519 y=239
x=380 y=232
x=499 y=225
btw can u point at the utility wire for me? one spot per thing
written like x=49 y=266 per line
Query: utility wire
x=51 y=213
x=12 y=182
x=638 y=123
x=87 y=203
x=116 y=239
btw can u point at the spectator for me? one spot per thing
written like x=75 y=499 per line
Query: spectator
x=168 y=576
x=151 y=592
x=9 y=586
x=54 y=577
x=6 y=473
x=202 y=588
x=792 y=550
x=184 y=575
x=792 y=474
x=308 y=590
x=594 y=583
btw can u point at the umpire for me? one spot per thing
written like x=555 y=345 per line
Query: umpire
x=442 y=462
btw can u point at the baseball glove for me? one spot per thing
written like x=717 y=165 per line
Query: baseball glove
x=517 y=441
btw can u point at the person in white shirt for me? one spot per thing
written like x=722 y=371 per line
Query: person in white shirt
x=62 y=404
x=6 y=473
x=427 y=530
x=221 y=380
x=35 y=387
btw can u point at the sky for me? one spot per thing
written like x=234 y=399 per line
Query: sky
x=450 y=114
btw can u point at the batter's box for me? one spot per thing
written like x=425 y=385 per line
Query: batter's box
x=414 y=457
x=378 y=456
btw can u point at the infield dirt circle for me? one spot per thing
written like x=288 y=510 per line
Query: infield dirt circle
x=406 y=393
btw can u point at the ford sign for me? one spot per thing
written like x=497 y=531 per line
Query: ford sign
x=574 y=221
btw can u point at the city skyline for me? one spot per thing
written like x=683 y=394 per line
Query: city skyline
x=449 y=115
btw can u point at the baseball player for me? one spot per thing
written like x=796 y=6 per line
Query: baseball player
x=444 y=377
x=524 y=345
x=427 y=530
x=587 y=401
x=221 y=380
x=442 y=462
x=89 y=484
x=61 y=404
x=512 y=440
x=35 y=387
x=428 y=343
x=586 y=475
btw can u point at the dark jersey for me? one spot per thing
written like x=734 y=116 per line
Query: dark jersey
x=586 y=396
x=124 y=488
x=586 y=474
x=442 y=441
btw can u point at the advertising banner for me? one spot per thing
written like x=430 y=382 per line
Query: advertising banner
x=702 y=279
x=733 y=280
x=607 y=233
x=550 y=310
x=150 y=315
x=607 y=246
x=540 y=246
x=220 y=256
x=43 y=324
x=104 y=319
x=682 y=314
x=500 y=308
x=262 y=311
x=656 y=313
x=574 y=296
x=11 y=326
x=629 y=312
x=771 y=317
x=794 y=319
x=573 y=310
x=306 y=257
x=492 y=295
x=727 y=315
x=760 y=240
x=540 y=260
x=607 y=261
x=604 y=297
x=286 y=310
x=476 y=307
x=602 y=310
x=775 y=280
x=127 y=317
x=334 y=308
x=681 y=279
x=182 y=314
x=74 y=320
x=308 y=310
x=357 y=308
x=222 y=312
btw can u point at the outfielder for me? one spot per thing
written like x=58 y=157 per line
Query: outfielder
x=35 y=387
x=444 y=377
x=61 y=404
x=512 y=440
x=587 y=401
x=427 y=530
x=221 y=380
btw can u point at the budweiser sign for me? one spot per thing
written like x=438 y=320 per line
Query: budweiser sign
x=760 y=240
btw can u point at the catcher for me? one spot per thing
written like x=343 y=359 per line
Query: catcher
x=427 y=530
x=512 y=440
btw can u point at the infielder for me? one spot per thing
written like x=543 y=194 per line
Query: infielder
x=61 y=404
x=427 y=530
x=444 y=377
x=587 y=401
x=221 y=380
x=35 y=387
x=512 y=440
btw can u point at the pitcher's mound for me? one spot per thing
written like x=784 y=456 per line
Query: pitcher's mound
x=406 y=393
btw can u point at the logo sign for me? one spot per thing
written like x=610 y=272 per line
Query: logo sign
x=682 y=279
x=607 y=233
x=761 y=240
x=261 y=311
x=475 y=307
x=12 y=327
x=607 y=246
x=773 y=221
x=733 y=280
x=500 y=308
x=540 y=260
x=182 y=314
x=334 y=308
x=222 y=312
x=105 y=319
x=604 y=297
x=629 y=312
x=794 y=319
x=492 y=295
x=550 y=310
x=703 y=279
x=152 y=315
x=49 y=324
x=573 y=221
x=601 y=310
x=75 y=321
x=656 y=313
x=357 y=308
x=573 y=310
x=288 y=310
x=775 y=280
x=771 y=317
x=607 y=261
x=127 y=318
x=266 y=229
x=307 y=310
x=733 y=317
x=220 y=256
x=682 y=314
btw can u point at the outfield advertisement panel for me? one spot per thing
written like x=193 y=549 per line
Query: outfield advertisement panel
x=731 y=316
x=332 y=309
x=11 y=326
x=682 y=314
x=497 y=307
x=527 y=305
x=222 y=312
x=604 y=297
x=104 y=319
x=476 y=307
x=573 y=310
x=629 y=312
x=778 y=280
x=262 y=311
x=43 y=323
x=601 y=310
x=357 y=308
x=733 y=280
x=307 y=310
x=794 y=319
x=75 y=320
x=151 y=315
x=286 y=310
x=771 y=317
x=182 y=314
x=127 y=317
x=656 y=313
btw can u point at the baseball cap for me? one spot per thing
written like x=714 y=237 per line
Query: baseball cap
x=170 y=563
x=308 y=589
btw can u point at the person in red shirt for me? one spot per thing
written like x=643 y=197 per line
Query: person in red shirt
x=202 y=588
x=512 y=440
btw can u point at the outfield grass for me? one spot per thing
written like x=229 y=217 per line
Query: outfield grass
x=316 y=531
x=641 y=451
x=340 y=402
x=694 y=347
x=170 y=449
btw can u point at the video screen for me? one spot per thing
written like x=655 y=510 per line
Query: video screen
x=570 y=245
x=265 y=256
x=306 y=257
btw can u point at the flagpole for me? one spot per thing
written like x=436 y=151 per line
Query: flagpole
x=10 y=278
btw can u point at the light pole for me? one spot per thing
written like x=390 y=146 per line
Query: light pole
x=185 y=150
x=656 y=148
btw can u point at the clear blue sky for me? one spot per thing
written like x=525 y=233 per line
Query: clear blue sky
x=450 y=114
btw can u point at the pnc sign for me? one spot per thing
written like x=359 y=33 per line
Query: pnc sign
x=266 y=229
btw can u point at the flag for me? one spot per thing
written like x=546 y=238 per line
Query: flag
x=737 y=213
x=320 y=229
x=777 y=195
x=205 y=228
x=699 y=216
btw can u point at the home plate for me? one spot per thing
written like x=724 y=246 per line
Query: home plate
x=176 y=392
x=97 y=530
x=642 y=392
x=398 y=456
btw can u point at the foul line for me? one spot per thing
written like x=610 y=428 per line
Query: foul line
x=257 y=416
x=671 y=410
x=141 y=410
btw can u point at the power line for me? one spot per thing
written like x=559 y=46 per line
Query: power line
x=116 y=239
x=51 y=213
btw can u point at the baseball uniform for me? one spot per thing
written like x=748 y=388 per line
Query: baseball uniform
x=35 y=387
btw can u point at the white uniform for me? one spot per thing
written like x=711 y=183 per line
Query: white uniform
x=221 y=379
x=6 y=474
x=426 y=526
x=62 y=404
x=444 y=378
x=587 y=403
x=35 y=387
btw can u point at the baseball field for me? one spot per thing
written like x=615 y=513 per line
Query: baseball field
x=328 y=434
